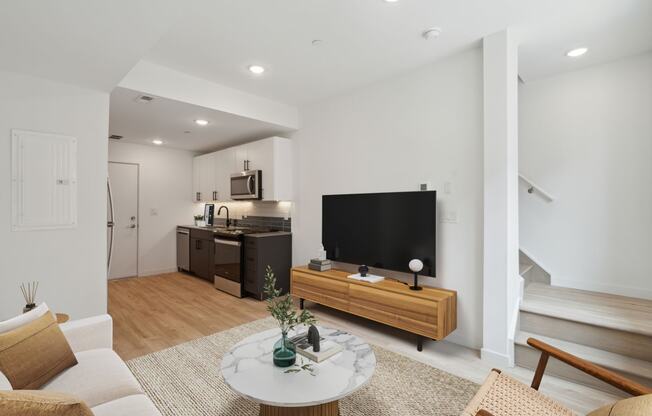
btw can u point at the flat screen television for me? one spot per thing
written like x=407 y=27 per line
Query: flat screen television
x=384 y=230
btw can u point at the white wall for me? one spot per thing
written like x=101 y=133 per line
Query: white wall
x=69 y=264
x=165 y=187
x=586 y=137
x=392 y=136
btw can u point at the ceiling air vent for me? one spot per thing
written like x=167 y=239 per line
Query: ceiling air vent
x=115 y=137
x=144 y=98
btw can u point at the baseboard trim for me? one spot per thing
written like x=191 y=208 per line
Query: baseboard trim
x=153 y=272
x=495 y=359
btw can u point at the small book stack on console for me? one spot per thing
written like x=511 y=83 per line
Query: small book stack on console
x=320 y=265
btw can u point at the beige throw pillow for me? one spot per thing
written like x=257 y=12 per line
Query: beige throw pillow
x=634 y=406
x=33 y=354
x=40 y=403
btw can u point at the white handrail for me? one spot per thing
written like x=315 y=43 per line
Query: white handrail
x=534 y=187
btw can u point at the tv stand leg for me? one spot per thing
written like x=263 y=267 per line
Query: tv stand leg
x=301 y=303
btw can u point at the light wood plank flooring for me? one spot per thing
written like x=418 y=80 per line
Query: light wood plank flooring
x=155 y=312
x=152 y=313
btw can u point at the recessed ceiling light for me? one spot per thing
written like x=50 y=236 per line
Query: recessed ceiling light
x=256 y=69
x=432 y=33
x=317 y=42
x=157 y=142
x=574 y=53
x=201 y=122
x=391 y=1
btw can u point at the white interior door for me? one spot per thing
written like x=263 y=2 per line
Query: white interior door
x=124 y=188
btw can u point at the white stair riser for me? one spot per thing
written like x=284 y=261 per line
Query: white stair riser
x=528 y=357
x=612 y=340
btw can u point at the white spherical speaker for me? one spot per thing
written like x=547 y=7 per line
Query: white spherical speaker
x=416 y=265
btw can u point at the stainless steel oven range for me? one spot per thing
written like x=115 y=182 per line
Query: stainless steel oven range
x=228 y=264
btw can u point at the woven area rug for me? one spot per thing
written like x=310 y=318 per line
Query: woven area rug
x=186 y=380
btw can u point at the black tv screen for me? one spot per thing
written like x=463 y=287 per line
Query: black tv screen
x=384 y=230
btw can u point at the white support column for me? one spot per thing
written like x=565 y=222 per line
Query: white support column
x=500 y=266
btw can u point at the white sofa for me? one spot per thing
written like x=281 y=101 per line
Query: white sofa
x=101 y=378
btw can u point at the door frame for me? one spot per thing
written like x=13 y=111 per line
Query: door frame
x=138 y=219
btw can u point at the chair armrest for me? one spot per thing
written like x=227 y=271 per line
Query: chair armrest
x=89 y=333
x=587 y=367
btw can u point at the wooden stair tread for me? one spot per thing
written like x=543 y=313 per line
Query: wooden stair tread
x=610 y=360
x=599 y=309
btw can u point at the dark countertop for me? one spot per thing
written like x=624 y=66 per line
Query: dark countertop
x=269 y=234
x=257 y=235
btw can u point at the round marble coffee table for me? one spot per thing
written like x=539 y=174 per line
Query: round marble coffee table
x=249 y=371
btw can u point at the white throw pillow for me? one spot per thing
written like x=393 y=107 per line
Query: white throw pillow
x=20 y=320
x=4 y=383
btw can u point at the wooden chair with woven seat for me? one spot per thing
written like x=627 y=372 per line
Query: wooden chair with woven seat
x=501 y=395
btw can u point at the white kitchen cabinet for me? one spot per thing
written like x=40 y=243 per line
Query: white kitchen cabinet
x=272 y=156
x=196 y=179
x=240 y=157
x=224 y=166
x=204 y=166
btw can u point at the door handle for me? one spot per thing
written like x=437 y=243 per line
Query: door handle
x=132 y=226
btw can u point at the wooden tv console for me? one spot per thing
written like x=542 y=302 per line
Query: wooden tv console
x=429 y=313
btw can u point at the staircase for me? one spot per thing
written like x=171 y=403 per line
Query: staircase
x=612 y=331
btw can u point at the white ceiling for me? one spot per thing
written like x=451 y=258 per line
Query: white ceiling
x=92 y=44
x=369 y=40
x=168 y=120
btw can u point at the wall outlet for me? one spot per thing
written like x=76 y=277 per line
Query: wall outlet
x=426 y=186
x=448 y=217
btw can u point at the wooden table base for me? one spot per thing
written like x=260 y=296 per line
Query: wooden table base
x=326 y=409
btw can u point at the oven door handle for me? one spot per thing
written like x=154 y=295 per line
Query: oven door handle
x=228 y=242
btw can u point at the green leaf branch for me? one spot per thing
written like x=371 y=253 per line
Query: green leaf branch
x=282 y=307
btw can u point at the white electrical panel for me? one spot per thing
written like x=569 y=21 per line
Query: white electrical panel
x=43 y=181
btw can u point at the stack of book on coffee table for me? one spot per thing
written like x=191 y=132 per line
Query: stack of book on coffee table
x=320 y=265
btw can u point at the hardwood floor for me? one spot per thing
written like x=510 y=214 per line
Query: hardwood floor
x=156 y=312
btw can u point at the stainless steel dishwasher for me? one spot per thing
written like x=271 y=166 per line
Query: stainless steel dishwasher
x=183 y=249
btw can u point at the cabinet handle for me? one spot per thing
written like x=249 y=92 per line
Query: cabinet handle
x=214 y=195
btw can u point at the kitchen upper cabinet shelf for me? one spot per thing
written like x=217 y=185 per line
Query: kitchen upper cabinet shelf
x=273 y=156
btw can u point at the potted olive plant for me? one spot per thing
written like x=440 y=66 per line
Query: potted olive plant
x=199 y=220
x=283 y=310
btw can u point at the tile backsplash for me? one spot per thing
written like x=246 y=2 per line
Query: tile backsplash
x=273 y=215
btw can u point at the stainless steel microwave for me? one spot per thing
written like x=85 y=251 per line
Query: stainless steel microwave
x=247 y=185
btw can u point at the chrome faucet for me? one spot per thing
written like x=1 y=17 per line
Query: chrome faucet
x=228 y=220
